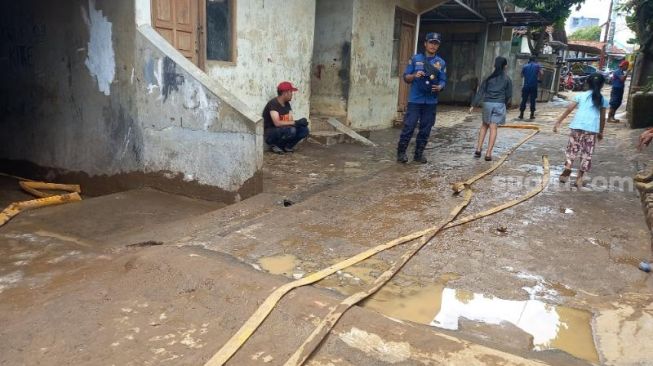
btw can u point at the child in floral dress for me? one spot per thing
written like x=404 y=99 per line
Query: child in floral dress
x=586 y=127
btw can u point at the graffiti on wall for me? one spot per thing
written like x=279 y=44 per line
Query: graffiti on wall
x=19 y=35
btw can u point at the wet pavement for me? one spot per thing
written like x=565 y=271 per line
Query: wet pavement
x=553 y=280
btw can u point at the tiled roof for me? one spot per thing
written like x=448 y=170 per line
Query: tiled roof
x=593 y=46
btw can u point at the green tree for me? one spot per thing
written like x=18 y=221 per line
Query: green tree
x=592 y=33
x=554 y=11
x=639 y=17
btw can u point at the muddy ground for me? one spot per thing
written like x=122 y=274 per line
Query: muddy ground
x=143 y=277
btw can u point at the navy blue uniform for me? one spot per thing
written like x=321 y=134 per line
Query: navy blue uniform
x=422 y=101
x=618 y=86
x=530 y=72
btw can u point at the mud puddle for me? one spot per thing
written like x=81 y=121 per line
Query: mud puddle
x=414 y=303
x=552 y=327
x=434 y=304
x=284 y=264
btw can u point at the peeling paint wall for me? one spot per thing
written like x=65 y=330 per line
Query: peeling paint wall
x=67 y=104
x=186 y=128
x=87 y=94
x=274 y=43
x=101 y=61
x=373 y=92
x=331 y=58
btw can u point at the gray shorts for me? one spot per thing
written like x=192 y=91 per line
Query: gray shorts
x=494 y=113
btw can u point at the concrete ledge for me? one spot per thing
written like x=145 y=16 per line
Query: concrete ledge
x=641 y=110
x=328 y=138
x=166 y=181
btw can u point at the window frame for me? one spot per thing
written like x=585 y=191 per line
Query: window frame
x=204 y=34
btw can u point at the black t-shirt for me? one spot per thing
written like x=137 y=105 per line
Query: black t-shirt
x=274 y=105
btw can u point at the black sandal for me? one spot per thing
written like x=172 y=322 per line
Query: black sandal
x=488 y=158
x=477 y=154
x=564 y=177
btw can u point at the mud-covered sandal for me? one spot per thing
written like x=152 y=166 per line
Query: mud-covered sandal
x=564 y=177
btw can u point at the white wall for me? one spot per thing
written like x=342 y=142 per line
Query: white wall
x=274 y=41
x=374 y=92
x=331 y=58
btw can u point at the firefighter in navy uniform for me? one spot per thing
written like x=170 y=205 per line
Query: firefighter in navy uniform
x=426 y=73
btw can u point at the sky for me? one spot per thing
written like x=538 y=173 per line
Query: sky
x=599 y=9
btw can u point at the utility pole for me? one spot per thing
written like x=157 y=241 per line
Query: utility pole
x=614 y=5
x=609 y=28
x=607 y=23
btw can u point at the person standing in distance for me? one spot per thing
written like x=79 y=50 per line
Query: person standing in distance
x=426 y=72
x=531 y=72
x=618 y=85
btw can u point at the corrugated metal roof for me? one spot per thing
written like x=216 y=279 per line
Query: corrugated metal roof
x=525 y=18
x=491 y=11
x=467 y=11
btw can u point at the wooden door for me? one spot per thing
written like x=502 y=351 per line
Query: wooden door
x=406 y=51
x=177 y=21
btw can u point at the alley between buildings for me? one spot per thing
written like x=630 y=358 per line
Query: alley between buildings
x=145 y=277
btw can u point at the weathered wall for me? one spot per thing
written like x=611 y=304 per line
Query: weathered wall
x=66 y=100
x=186 y=126
x=460 y=50
x=331 y=57
x=499 y=44
x=274 y=43
x=91 y=98
x=373 y=92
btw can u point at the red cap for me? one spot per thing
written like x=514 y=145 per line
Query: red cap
x=624 y=63
x=286 y=86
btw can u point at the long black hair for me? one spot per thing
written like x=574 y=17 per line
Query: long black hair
x=499 y=64
x=595 y=83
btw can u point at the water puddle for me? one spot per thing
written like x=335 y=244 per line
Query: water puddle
x=552 y=327
x=279 y=265
x=414 y=303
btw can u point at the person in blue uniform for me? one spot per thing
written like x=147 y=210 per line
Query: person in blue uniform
x=426 y=72
x=531 y=72
x=618 y=85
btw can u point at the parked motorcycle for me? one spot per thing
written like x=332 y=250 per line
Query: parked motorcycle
x=579 y=81
x=567 y=82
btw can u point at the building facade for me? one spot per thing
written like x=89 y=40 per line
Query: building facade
x=169 y=93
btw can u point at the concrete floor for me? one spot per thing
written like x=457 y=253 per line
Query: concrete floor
x=551 y=281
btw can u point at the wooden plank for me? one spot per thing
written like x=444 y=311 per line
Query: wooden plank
x=349 y=132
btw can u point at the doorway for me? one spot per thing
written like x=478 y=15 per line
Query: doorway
x=405 y=26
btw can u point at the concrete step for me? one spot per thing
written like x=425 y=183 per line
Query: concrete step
x=319 y=123
x=326 y=134
x=328 y=138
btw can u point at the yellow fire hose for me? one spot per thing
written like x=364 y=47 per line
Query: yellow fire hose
x=45 y=199
x=313 y=341
x=250 y=326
